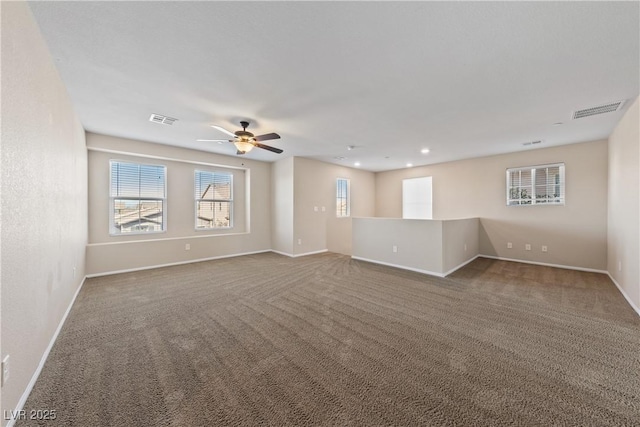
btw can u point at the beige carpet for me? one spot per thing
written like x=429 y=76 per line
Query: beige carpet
x=326 y=340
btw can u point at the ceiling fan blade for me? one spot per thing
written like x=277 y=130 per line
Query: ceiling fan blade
x=221 y=129
x=240 y=153
x=266 y=137
x=212 y=140
x=266 y=147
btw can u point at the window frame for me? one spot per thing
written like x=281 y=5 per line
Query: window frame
x=560 y=200
x=346 y=198
x=113 y=230
x=213 y=200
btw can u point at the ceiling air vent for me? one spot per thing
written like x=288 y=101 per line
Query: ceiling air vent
x=600 y=109
x=531 y=143
x=159 y=118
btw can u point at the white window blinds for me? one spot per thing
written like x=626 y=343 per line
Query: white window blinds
x=536 y=185
x=137 y=198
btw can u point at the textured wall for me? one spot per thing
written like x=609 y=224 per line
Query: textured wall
x=252 y=206
x=575 y=234
x=282 y=206
x=315 y=186
x=44 y=199
x=624 y=204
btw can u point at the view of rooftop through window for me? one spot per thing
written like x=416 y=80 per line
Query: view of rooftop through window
x=137 y=197
x=214 y=199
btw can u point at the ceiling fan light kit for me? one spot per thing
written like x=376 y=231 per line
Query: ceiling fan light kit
x=243 y=146
x=245 y=140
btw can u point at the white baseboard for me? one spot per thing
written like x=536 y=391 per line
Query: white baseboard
x=310 y=253
x=624 y=294
x=45 y=355
x=151 y=267
x=403 y=267
x=282 y=253
x=417 y=270
x=567 y=267
x=298 y=255
x=458 y=267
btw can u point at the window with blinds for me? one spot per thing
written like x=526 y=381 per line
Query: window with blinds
x=137 y=198
x=214 y=200
x=536 y=185
x=342 y=197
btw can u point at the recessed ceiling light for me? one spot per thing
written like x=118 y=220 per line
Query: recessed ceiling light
x=339 y=158
x=356 y=164
x=350 y=147
x=424 y=151
x=409 y=165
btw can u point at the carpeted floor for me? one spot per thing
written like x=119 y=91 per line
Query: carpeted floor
x=326 y=340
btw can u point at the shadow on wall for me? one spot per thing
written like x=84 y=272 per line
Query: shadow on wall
x=339 y=235
x=564 y=246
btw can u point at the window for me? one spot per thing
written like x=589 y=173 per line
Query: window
x=536 y=185
x=137 y=198
x=214 y=200
x=342 y=197
x=416 y=198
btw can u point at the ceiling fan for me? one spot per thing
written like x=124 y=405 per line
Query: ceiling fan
x=245 y=140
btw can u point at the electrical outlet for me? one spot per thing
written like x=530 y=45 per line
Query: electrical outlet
x=315 y=209
x=299 y=241
x=5 y=369
x=527 y=247
x=465 y=247
x=509 y=245
x=394 y=248
x=187 y=247
x=619 y=265
x=324 y=209
x=74 y=272
x=544 y=248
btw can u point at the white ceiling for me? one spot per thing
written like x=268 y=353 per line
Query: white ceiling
x=464 y=79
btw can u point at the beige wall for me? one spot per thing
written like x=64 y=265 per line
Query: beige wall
x=252 y=207
x=624 y=205
x=282 y=206
x=418 y=243
x=315 y=186
x=460 y=243
x=44 y=200
x=576 y=234
x=436 y=247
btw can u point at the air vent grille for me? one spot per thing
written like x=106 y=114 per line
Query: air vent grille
x=600 y=109
x=159 y=118
x=531 y=143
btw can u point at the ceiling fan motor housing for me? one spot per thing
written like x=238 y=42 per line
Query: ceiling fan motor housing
x=243 y=134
